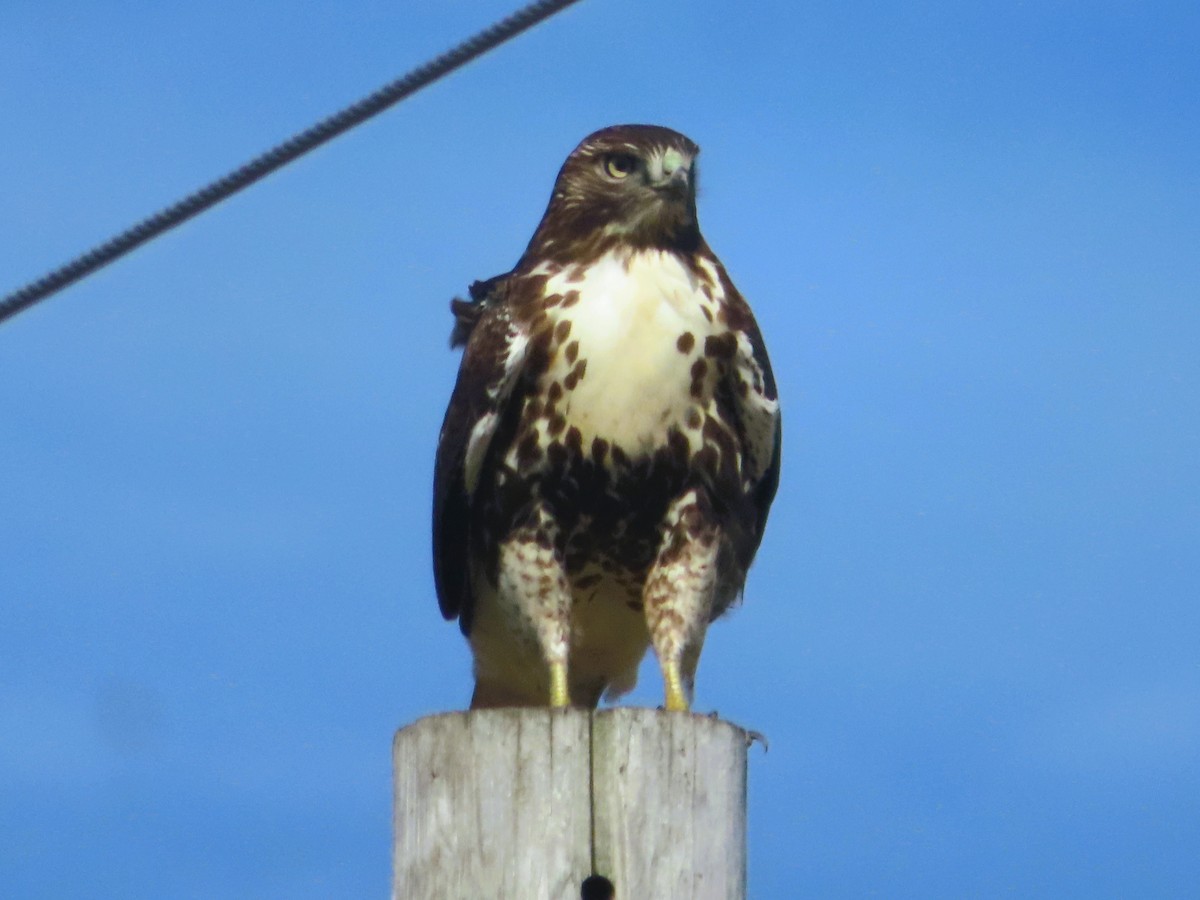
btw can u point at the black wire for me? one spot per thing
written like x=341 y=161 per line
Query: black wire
x=279 y=156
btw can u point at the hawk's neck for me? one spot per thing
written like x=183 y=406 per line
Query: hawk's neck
x=564 y=241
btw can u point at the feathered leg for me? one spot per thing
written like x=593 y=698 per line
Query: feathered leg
x=679 y=594
x=533 y=581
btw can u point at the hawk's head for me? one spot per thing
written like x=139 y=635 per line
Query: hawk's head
x=627 y=184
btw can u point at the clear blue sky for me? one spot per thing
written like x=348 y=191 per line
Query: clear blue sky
x=971 y=233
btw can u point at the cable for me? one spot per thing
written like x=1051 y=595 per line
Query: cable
x=280 y=155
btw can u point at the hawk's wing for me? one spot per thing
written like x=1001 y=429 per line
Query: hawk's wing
x=490 y=369
x=756 y=405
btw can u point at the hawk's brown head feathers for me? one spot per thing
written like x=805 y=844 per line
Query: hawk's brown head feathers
x=633 y=185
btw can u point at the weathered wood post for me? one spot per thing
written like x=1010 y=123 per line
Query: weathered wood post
x=528 y=803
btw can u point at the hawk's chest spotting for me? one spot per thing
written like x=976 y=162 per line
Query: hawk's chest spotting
x=630 y=353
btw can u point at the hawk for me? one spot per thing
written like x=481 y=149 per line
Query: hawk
x=611 y=448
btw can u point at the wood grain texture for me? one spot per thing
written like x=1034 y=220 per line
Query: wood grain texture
x=492 y=804
x=669 y=794
x=526 y=803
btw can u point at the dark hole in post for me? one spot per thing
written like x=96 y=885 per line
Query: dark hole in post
x=597 y=887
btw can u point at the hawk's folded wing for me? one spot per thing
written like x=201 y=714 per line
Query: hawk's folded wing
x=490 y=370
x=760 y=428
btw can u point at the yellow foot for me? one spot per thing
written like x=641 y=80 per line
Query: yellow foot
x=559 y=695
x=677 y=700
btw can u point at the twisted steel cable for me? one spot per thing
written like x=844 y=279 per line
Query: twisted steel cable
x=280 y=155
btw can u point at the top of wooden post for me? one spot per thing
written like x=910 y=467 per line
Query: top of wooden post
x=528 y=803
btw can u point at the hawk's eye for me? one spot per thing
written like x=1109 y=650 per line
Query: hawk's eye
x=620 y=165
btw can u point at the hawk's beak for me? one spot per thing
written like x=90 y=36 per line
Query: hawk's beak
x=672 y=174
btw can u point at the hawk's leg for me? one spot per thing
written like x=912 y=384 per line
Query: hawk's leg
x=534 y=579
x=679 y=594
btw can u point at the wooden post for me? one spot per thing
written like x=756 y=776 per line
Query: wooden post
x=528 y=803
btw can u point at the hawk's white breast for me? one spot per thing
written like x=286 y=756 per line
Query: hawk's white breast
x=632 y=319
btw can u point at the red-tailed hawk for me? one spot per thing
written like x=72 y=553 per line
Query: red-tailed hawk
x=611 y=448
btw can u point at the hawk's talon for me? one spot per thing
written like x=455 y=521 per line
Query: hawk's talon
x=560 y=696
x=677 y=700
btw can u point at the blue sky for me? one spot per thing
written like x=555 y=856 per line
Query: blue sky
x=970 y=233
